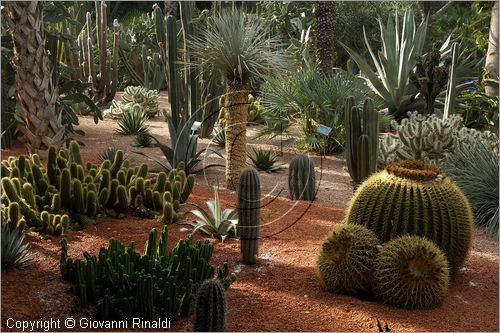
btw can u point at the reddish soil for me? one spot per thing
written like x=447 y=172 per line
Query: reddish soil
x=283 y=291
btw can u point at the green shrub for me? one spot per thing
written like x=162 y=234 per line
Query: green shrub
x=133 y=122
x=264 y=160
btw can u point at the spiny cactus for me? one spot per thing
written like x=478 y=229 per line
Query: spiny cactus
x=301 y=178
x=248 y=227
x=346 y=257
x=210 y=307
x=413 y=197
x=135 y=97
x=361 y=139
x=411 y=272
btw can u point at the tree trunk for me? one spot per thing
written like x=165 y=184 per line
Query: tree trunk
x=424 y=8
x=325 y=14
x=236 y=104
x=36 y=94
x=491 y=65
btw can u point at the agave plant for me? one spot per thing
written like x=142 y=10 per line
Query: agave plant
x=215 y=222
x=142 y=140
x=108 y=154
x=264 y=160
x=133 y=122
x=400 y=46
x=14 y=251
x=182 y=149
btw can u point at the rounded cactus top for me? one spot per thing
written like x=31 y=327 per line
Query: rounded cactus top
x=414 y=170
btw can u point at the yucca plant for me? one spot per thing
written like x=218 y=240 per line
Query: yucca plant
x=142 y=140
x=240 y=47
x=133 y=122
x=219 y=138
x=400 y=46
x=15 y=252
x=215 y=222
x=108 y=154
x=264 y=160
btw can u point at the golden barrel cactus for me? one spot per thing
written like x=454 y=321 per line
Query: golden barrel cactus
x=414 y=197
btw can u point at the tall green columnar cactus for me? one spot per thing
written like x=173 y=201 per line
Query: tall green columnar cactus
x=301 y=178
x=414 y=197
x=361 y=139
x=103 y=84
x=249 y=215
x=210 y=307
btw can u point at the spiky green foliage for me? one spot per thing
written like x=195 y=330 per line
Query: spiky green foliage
x=413 y=197
x=142 y=140
x=133 y=122
x=346 y=258
x=15 y=252
x=264 y=160
x=219 y=138
x=121 y=283
x=411 y=272
x=217 y=222
x=136 y=97
x=210 y=307
x=249 y=215
x=400 y=45
x=108 y=154
x=301 y=178
x=474 y=167
x=361 y=140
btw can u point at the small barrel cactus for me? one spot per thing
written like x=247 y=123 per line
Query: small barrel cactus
x=346 y=257
x=248 y=227
x=210 y=307
x=411 y=272
x=413 y=197
x=301 y=178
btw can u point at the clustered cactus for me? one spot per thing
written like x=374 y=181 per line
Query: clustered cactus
x=121 y=283
x=69 y=193
x=248 y=227
x=425 y=225
x=301 y=178
x=361 y=139
x=210 y=307
x=136 y=98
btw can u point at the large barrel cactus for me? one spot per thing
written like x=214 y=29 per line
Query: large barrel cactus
x=210 y=307
x=249 y=215
x=413 y=197
x=301 y=178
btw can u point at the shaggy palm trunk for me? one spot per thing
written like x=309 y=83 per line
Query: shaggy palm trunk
x=492 y=54
x=36 y=93
x=325 y=14
x=236 y=105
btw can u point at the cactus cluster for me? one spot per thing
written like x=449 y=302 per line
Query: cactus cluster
x=69 y=193
x=414 y=197
x=361 y=139
x=249 y=215
x=135 y=98
x=121 y=283
x=346 y=258
x=411 y=272
x=104 y=82
x=210 y=307
x=301 y=178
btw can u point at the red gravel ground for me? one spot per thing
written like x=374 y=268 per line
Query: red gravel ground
x=282 y=292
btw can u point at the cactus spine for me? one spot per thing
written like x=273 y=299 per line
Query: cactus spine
x=361 y=139
x=249 y=215
x=210 y=307
x=301 y=178
x=413 y=197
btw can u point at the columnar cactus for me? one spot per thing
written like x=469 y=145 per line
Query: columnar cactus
x=411 y=272
x=361 y=139
x=210 y=307
x=413 y=197
x=301 y=178
x=346 y=258
x=248 y=227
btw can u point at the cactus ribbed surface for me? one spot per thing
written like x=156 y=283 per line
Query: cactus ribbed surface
x=210 y=307
x=361 y=139
x=411 y=272
x=346 y=258
x=248 y=227
x=301 y=178
x=413 y=197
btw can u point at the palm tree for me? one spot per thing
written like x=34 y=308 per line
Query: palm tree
x=239 y=46
x=491 y=66
x=325 y=17
x=36 y=93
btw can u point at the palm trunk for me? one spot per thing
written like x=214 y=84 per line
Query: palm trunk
x=325 y=15
x=36 y=93
x=236 y=104
x=492 y=54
